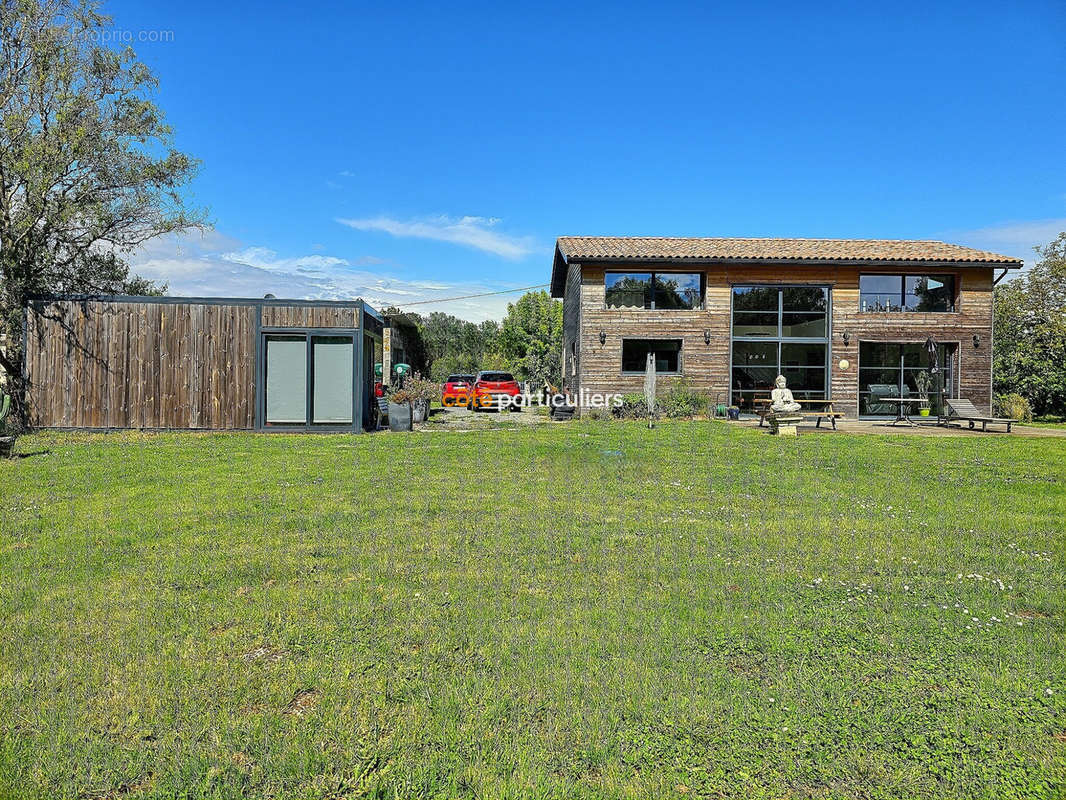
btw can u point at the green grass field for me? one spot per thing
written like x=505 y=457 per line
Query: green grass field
x=583 y=610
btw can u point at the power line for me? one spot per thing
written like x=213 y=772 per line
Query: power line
x=469 y=296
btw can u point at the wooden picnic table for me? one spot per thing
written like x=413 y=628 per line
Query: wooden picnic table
x=827 y=412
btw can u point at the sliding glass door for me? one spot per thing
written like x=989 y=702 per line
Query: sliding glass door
x=894 y=369
x=309 y=379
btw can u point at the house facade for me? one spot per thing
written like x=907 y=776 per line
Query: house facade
x=201 y=363
x=851 y=321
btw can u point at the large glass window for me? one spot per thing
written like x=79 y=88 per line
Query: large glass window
x=663 y=290
x=907 y=293
x=757 y=364
x=788 y=312
x=332 y=361
x=295 y=361
x=891 y=369
x=628 y=289
x=635 y=355
x=754 y=369
x=779 y=330
x=678 y=290
x=286 y=380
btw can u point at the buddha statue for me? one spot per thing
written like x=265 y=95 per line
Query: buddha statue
x=781 y=399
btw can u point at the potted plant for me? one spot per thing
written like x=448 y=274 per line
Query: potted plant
x=423 y=392
x=400 y=410
x=7 y=436
x=924 y=382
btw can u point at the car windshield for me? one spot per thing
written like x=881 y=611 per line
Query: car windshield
x=459 y=379
x=497 y=377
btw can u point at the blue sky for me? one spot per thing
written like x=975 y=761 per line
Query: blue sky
x=406 y=153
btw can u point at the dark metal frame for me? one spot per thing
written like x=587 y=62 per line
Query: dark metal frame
x=654 y=273
x=956 y=290
x=956 y=370
x=680 y=353
x=309 y=335
x=779 y=339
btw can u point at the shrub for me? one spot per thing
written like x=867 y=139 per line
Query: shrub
x=420 y=388
x=1013 y=406
x=400 y=396
x=681 y=400
x=633 y=407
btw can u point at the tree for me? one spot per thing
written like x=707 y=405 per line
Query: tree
x=88 y=171
x=1029 y=354
x=455 y=345
x=531 y=337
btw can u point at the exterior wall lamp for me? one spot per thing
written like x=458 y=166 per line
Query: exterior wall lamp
x=846 y=337
x=706 y=337
x=976 y=341
x=603 y=337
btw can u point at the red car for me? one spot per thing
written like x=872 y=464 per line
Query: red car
x=457 y=390
x=497 y=390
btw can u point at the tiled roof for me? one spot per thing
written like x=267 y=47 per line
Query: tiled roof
x=642 y=247
x=662 y=248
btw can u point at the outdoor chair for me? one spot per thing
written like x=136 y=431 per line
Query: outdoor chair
x=961 y=410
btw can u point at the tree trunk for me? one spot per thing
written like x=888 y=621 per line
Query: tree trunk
x=14 y=386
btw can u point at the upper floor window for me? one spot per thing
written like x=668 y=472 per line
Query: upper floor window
x=660 y=290
x=907 y=293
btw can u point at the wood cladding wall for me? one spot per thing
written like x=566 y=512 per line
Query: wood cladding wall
x=706 y=366
x=305 y=316
x=102 y=364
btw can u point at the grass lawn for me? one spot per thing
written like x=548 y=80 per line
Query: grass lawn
x=1049 y=421
x=566 y=611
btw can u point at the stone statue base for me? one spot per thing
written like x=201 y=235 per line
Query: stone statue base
x=784 y=423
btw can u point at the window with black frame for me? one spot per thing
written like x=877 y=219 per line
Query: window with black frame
x=901 y=293
x=893 y=369
x=654 y=290
x=285 y=359
x=309 y=379
x=635 y=356
x=779 y=330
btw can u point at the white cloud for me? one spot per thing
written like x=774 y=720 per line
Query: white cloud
x=218 y=266
x=1010 y=238
x=475 y=232
x=265 y=258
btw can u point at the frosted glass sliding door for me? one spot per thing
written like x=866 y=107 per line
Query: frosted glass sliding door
x=332 y=358
x=286 y=380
